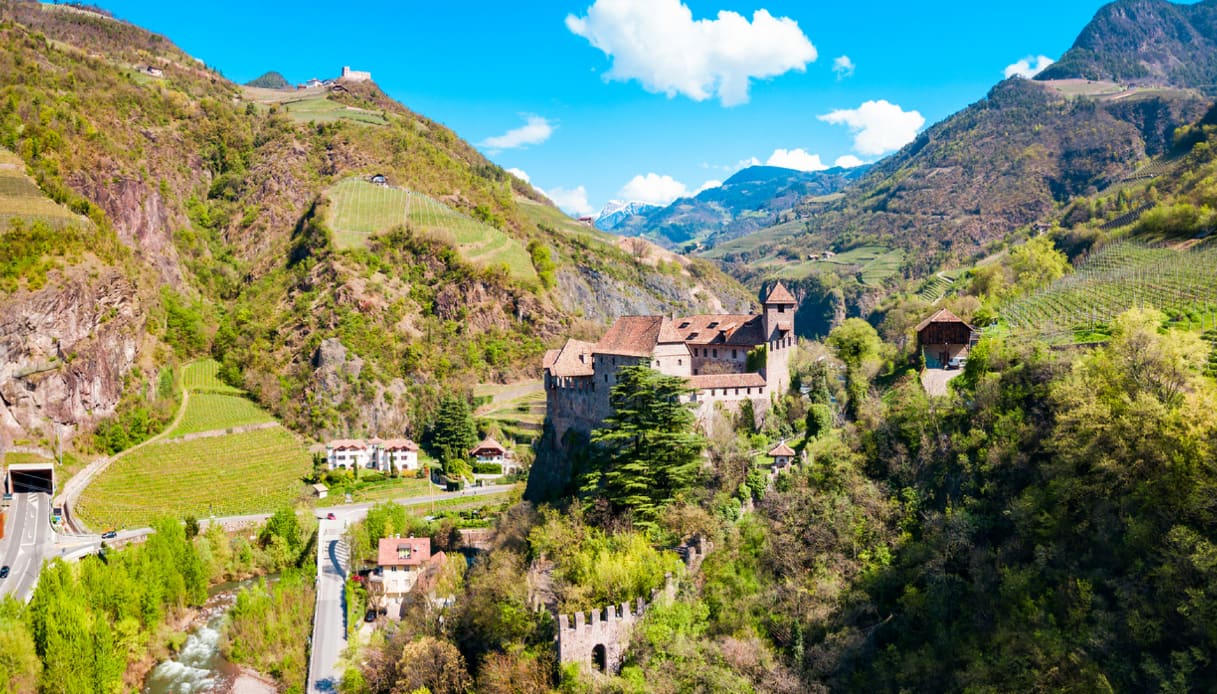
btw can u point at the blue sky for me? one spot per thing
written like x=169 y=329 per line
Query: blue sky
x=642 y=98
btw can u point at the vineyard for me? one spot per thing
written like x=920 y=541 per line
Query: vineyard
x=240 y=473
x=20 y=196
x=202 y=377
x=361 y=209
x=1117 y=277
x=216 y=411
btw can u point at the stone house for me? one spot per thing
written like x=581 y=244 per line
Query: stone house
x=943 y=337
x=711 y=351
x=401 y=560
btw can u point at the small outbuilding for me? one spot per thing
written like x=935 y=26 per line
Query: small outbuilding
x=782 y=455
x=379 y=179
x=320 y=491
x=943 y=338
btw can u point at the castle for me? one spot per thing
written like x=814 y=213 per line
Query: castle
x=719 y=355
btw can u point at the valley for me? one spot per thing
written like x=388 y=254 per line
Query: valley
x=933 y=412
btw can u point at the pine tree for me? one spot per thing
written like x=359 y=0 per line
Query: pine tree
x=648 y=452
x=453 y=434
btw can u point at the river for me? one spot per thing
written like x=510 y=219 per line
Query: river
x=200 y=666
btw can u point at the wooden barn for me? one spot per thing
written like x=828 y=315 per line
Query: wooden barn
x=943 y=337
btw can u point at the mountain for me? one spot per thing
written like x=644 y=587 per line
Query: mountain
x=618 y=212
x=269 y=80
x=967 y=183
x=205 y=222
x=1145 y=43
x=751 y=199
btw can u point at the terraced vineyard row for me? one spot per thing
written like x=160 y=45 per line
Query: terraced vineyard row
x=251 y=472
x=216 y=411
x=1116 y=278
x=203 y=377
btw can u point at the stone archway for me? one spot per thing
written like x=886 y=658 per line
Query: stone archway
x=600 y=658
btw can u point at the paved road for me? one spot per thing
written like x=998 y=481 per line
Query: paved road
x=329 y=620
x=27 y=540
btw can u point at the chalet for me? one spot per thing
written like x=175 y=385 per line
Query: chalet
x=943 y=337
x=489 y=451
x=320 y=491
x=782 y=455
x=726 y=359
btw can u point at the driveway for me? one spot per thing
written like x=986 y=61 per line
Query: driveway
x=935 y=380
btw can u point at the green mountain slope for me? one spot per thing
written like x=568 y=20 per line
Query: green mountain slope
x=214 y=199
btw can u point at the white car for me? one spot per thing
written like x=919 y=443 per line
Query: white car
x=956 y=363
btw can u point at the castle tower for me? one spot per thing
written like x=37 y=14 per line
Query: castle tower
x=779 y=307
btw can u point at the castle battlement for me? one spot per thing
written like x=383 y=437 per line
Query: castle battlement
x=601 y=637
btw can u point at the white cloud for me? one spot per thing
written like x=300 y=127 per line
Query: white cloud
x=658 y=43
x=653 y=189
x=797 y=159
x=572 y=200
x=520 y=174
x=534 y=131
x=848 y=161
x=878 y=126
x=1029 y=67
x=843 y=66
x=707 y=186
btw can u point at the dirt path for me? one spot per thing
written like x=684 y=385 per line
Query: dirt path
x=935 y=380
x=222 y=432
x=73 y=488
x=510 y=393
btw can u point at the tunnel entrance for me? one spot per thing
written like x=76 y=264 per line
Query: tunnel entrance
x=30 y=478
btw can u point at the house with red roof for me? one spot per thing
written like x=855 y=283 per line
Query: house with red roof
x=374 y=454
x=401 y=560
x=726 y=358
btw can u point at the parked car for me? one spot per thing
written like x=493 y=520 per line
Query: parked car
x=370 y=616
x=3 y=572
x=956 y=363
x=331 y=516
x=109 y=535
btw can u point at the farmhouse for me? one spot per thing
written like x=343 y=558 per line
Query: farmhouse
x=726 y=358
x=943 y=337
x=374 y=455
x=489 y=451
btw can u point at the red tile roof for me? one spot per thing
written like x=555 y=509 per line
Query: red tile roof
x=399 y=445
x=574 y=359
x=942 y=316
x=729 y=329
x=348 y=445
x=488 y=445
x=746 y=380
x=779 y=295
x=636 y=336
x=781 y=450
x=403 y=551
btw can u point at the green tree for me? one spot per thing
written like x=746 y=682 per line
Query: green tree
x=647 y=449
x=453 y=433
x=855 y=342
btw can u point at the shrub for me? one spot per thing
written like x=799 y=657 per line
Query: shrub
x=487 y=469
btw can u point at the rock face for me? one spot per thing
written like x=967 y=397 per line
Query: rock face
x=64 y=353
x=602 y=298
x=383 y=411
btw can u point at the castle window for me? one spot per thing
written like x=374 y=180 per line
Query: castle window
x=737 y=391
x=781 y=309
x=680 y=362
x=733 y=354
x=716 y=354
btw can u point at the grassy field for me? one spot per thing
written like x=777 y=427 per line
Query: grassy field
x=200 y=377
x=361 y=209
x=21 y=198
x=386 y=490
x=217 y=411
x=518 y=409
x=871 y=264
x=322 y=110
x=236 y=474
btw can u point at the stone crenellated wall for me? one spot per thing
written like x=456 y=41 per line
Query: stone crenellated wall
x=599 y=640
